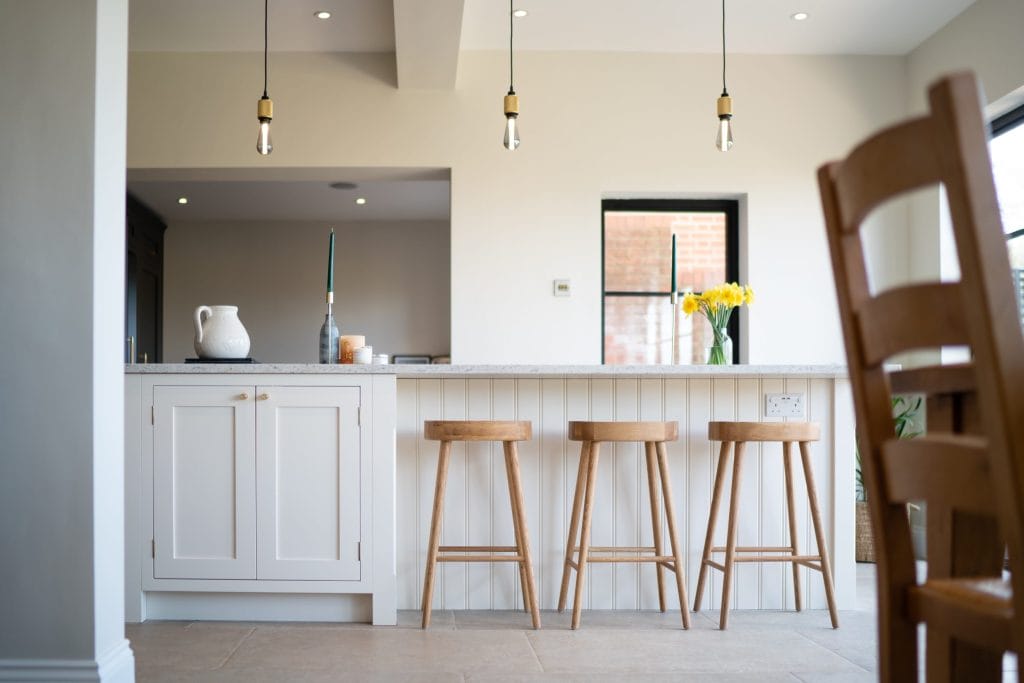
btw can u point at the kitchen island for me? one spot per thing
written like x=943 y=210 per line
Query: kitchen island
x=283 y=570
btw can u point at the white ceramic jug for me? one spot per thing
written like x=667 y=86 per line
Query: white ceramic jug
x=219 y=333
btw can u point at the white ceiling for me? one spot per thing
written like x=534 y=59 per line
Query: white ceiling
x=754 y=26
x=293 y=195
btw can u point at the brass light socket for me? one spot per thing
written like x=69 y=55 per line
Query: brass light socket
x=511 y=105
x=724 y=106
x=265 y=108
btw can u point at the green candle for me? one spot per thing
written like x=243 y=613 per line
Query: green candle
x=330 y=264
x=673 y=263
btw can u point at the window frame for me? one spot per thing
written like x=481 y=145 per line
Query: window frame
x=731 y=209
x=1004 y=124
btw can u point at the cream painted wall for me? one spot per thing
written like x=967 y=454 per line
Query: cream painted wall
x=593 y=124
x=391 y=284
x=985 y=38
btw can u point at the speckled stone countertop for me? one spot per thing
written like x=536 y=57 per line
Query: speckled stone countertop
x=490 y=370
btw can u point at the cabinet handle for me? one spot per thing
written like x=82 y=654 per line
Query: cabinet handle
x=263 y=397
x=243 y=397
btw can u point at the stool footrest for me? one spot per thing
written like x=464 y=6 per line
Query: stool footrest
x=754 y=549
x=626 y=558
x=810 y=564
x=616 y=549
x=478 y=548
x=776 y=558
x=479 y=558
x=715 y=565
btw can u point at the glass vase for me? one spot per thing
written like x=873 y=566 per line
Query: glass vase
x=720 y=351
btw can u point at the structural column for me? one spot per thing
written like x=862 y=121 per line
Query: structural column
x=63 y=79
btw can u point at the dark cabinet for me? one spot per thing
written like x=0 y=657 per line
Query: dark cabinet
x=144 y=286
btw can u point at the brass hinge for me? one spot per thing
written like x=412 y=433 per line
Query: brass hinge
x=152 y=415
x=359 y=551
x=152 y=548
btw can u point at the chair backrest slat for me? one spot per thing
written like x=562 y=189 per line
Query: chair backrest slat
x=953 y=469
x=888 y=325
x=892 y=162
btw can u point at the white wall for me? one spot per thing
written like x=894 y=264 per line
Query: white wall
x=63 y=74
x=391 y=285
x=592 y=124
x=985 y=38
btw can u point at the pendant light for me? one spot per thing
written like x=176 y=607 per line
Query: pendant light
x=511 y=99
x=265 y=106
x=724 y=140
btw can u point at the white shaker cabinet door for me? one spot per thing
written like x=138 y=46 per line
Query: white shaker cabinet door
x=204 y=482
x=308 y=459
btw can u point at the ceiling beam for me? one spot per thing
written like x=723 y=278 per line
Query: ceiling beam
x=427 y=36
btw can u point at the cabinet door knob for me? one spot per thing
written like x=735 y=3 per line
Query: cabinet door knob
x=243 y=397
x=263 y=397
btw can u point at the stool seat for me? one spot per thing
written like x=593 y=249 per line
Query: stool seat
x=763 y=431
x=477 y=430
x=653 y=435
x=624 y=431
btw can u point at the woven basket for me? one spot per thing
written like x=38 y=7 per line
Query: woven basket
x=865 y=549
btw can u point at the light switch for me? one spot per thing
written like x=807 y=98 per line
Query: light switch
x=561 y=288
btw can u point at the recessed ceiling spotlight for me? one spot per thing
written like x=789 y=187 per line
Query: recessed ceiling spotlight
x=183 y=200
x=799 y=16
x=322 y=14
x=360 y=200
x=343 y=185
x=520 y=13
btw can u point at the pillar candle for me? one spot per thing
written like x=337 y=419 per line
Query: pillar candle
x=348 y=345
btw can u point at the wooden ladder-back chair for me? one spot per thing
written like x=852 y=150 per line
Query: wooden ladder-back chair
x=979 y=473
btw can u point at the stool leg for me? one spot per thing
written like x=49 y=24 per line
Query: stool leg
x=677 y=549
x=652 y=489
x=819 y=533
x=435 y=530
x=574 y=523
x=523 y=537
x=716 y=500
x=588 y=512
x=730 y=543
x=787 y=464
x=514 y=505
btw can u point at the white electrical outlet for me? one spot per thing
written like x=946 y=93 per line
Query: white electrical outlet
x=784 y=405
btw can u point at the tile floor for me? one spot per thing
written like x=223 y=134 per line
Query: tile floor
x=501 y=646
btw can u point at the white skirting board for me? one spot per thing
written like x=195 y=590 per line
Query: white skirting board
x=476 y=509
x=258 y=607
x=117 y=665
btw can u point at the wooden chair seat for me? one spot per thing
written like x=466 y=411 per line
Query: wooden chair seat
x=477 y=430
x=763 y=431
x=651 y=432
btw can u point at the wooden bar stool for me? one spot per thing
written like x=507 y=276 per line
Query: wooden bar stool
x=654 y=435
x=447 y=431
x=740 y=433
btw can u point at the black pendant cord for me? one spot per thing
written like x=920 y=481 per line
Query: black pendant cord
x=725 y=91
x=266 y=42
x=511 y=80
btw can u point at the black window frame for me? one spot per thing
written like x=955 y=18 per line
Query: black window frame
x=731 y=209
x=1004 y=124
